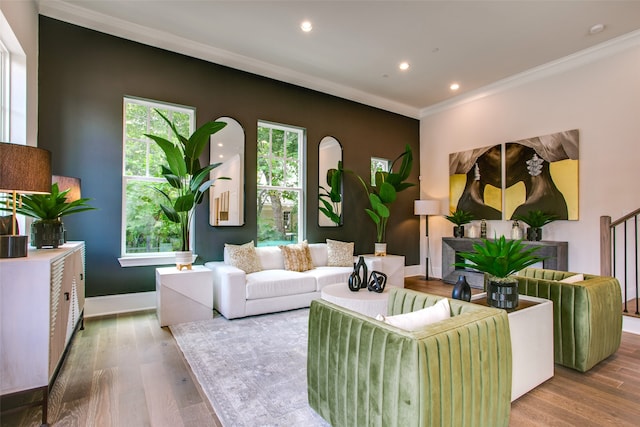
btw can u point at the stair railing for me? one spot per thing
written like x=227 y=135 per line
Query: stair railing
x=610 y=247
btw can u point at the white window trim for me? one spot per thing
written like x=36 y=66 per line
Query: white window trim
x=302 y=153
x=5 y=100
x=148 y=258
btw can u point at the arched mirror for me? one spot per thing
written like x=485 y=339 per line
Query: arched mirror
x=330 y=175
x=226 y=197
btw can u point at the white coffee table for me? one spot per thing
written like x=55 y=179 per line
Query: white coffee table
x=364 y=301
x=531 y=326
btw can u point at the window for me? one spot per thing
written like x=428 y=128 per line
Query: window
x=4 y=93
x=280 y=184
x=146 y=231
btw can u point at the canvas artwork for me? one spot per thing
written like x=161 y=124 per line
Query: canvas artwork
x=475 y=182
x=541 y=173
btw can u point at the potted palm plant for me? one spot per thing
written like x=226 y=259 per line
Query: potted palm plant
x=459 y=218
x=188 y=180
x=384 y=193
x=535 y=219
x=48 y=209
x=499 y=259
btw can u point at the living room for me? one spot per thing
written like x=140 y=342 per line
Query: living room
x=83 y=75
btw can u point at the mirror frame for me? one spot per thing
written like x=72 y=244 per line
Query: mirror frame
x=328 y=158
x=226 y=197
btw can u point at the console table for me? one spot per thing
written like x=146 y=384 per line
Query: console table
x=556 y=254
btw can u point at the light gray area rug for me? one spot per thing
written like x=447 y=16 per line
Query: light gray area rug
x=253 y=370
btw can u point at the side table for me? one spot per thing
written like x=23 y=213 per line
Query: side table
x=184 y=296
x=393 y=267
x=531 y=325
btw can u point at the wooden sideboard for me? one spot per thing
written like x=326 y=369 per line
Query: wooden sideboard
x=556 y=254
x=41 y=304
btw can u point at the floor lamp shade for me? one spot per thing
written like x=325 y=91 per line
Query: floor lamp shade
x=23 y=170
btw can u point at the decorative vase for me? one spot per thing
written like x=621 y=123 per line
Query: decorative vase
x=458 y=231
x=377 y=282
x=534 y=234
x=184 y=259
x=483 y=229
x=461 y=290
x=516 y=231
x=380 y=249
x=358 y=278
x=47 y=233
x=354 y=280
x=502 y=292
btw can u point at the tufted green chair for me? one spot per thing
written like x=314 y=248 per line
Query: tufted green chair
x=363 y=372
x=587 y=315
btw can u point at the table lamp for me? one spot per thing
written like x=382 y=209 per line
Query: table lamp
x=426 y=208
x=23 y=170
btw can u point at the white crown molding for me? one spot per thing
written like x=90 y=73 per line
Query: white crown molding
x=569 y=62
x=76 y=15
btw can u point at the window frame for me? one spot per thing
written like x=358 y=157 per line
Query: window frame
x=5 y=92
x=146 y=258
x=302 y=176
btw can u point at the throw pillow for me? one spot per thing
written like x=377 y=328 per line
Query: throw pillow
x=573 y=279
x=339 y=254
x=297 y=257
x=243 y=257
x=420 y=318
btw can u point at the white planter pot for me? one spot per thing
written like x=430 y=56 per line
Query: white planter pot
x=184 y=259
x=380 y=249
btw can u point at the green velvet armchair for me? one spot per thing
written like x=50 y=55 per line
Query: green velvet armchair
x=587 y=315
x=363 y=372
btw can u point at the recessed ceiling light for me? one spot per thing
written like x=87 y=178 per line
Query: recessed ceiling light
x=596 y=29
x=306 y=26
x=454 y=86
x=220 y=144
x=404 y=66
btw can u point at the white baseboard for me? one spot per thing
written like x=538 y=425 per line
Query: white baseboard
x=124 y=303
x=413 y=270
x=631 y=324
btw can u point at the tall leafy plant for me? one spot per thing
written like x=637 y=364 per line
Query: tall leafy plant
x=384 y=193
x=185 y=175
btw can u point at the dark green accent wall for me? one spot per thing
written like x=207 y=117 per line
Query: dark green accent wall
x=83 y=77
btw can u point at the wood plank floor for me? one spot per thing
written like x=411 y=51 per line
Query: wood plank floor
x=125 y=370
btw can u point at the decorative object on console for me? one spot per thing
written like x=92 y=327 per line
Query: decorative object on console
x=535 y=219
x=48 y=209
x=183 y=173
x=516 y=231
x=426 y=208
x=459 y=217
x=461 y=290
x=384 y=193
x=499 y=259
x=23 y=170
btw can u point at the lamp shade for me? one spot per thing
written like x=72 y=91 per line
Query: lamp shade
x=426 y=207
x=24 y=169
x=68 y=183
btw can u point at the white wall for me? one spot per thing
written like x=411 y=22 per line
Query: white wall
x=597 y=92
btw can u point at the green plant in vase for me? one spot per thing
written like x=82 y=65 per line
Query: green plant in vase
x=535 y=219
x=459 y=218
x=499 y=259
x=48 y=230
x=382 y=196
x=188 y=180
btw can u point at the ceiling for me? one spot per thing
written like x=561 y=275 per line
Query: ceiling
x=355 y=47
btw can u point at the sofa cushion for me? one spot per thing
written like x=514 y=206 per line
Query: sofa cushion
x=415 y=320
x=573 y=279
x=270 y=257
x=276 y=283
x=318 y=254
x=243 y=257
x=330 y=275
x=297 y=257
x=339 y=254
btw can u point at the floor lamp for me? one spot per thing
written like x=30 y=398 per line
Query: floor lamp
x=426 y=208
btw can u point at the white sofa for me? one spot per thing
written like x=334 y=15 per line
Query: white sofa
x=237 y=294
